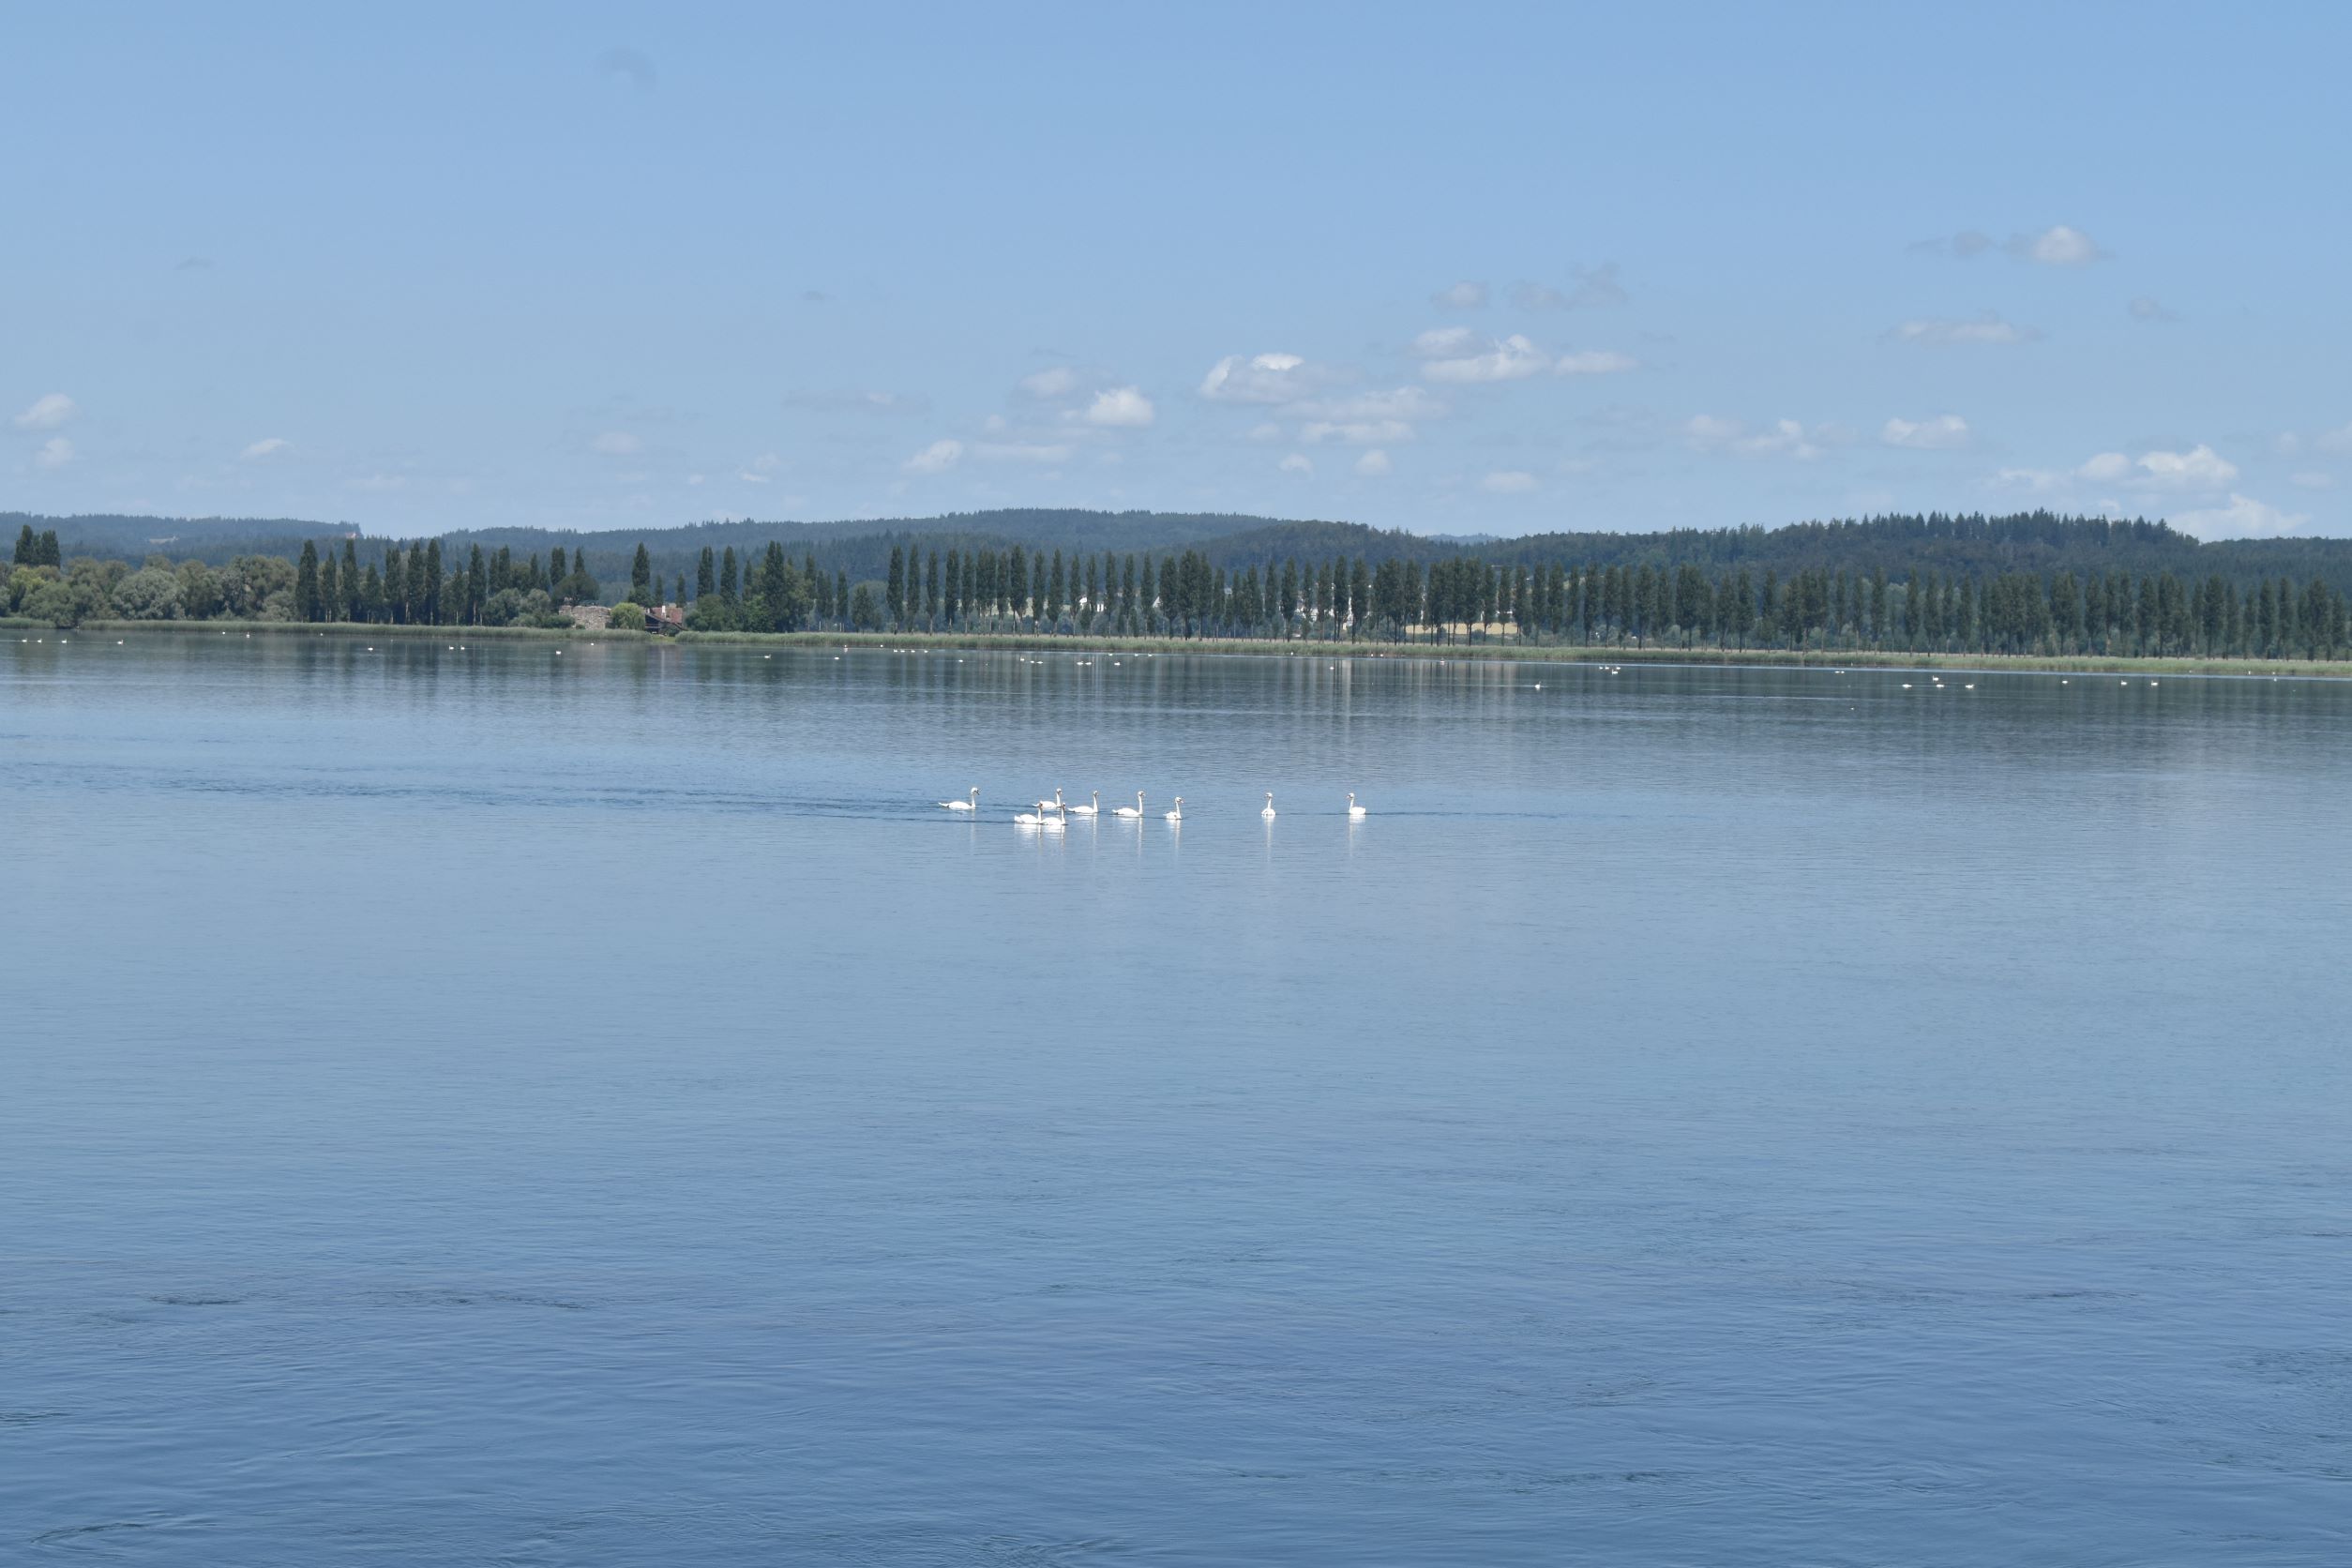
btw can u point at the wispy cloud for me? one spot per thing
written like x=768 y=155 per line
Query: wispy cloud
x=2200 y=468
x=617 y=443
x=1987 y=328
x=1508 y=481
x=1373 y=464
x=1297 y=463
x=54 y=453
x=47 y=411
x=1465 y=295
x=269 y=446
x=2143 y=308
x=621 y=60
x=1595 y=362
x=855 y=401
x=1942 y=433
x=1022 y=451
x=938 y=458
x=1966 y=245
x=1782 y=438
x=2243 y=518
x=1058 y=381
x=2057 y=246
x=1459 y=356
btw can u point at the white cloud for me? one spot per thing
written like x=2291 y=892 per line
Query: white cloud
x=2314 y=479
x=938 y=458
x=1265 y=429
x=266 y=447
x=1120 y=408
x=1441 y=342
x=1265 y=378
x=1508 y=481
x=2106 y=468
x=379 y=482
x=1465 y=295
x=1373 y=463
x=1987 y=328
x=48 y=412
x=54 y=453
x=1297 y=463
x=2336 y=441
x=1939 y=434
x=694 y=478
x=1022 y=451
x=2145 y=307
x=766 y=462
x=1356 y=433
x=1784 y=438
x=2244 y=517
x=749 y=475
x=1595 y=362
x=1509 y=359
x=2059 y=246
x=2036 y=479
x=2199 y=468
x=617 y=443
x=1057 y=381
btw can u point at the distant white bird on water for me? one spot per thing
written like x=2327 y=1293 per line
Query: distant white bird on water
x=1354 y=811
x=1135 y=810
x=1094 y=810
x=1269 y=811
x=1178 y=815
x=1033 y=819
x=971 y=804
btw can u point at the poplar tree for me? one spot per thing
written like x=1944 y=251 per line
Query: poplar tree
x=307 y=604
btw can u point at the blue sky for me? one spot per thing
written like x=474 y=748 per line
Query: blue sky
x=1457 y=269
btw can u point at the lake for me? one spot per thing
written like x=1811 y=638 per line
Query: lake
x=502 y=1105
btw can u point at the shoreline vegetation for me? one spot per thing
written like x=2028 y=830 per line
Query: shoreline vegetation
x=1499 y=651
x=1697 y=607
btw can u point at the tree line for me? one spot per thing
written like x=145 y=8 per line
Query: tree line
x=1186 y=594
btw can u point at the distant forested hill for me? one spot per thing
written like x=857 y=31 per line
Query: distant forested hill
x=1973 y=546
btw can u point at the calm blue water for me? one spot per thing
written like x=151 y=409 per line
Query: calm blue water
x=503 y=1106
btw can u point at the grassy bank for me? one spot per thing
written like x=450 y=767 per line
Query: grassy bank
x=1523 y=653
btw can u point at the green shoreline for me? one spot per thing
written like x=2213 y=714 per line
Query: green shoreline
x=981 y=641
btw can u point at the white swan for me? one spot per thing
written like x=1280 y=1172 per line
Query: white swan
x=1031 y=819
x=1135 y=810
x=1354 y=811
x=971 y=804
x=1269 y=811
x=1094 y=810
x=1178 y=815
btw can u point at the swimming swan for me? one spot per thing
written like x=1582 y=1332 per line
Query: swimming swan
x=971 y=804
x=1135 y=810
x=1354 y=811
x=1269 y=811
x=1094 y=810
x=1178 y=815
